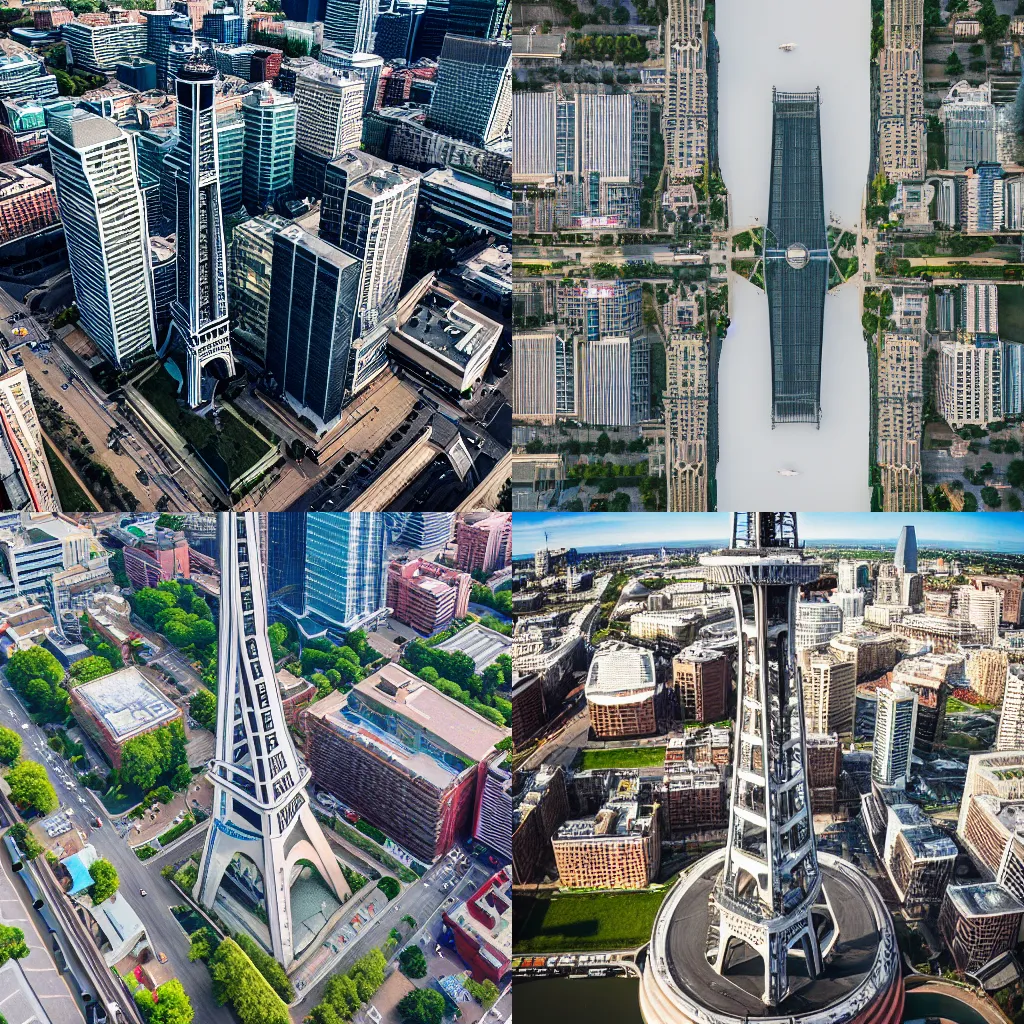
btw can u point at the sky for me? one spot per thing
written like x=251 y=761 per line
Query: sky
x=588 y=530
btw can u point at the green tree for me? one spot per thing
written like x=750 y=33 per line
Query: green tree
x=104 y=880
x=1015 y=473
x=954 y=65
x=604 y=444
x=12 y=944
x=31 y=788
x=147 y=758
x=389 y=886
x=10 y=745
x=236 y=981
x=88 y=669
x=424 y=1006
x=413 y=962
x=149 y=603
x=484 y=992
x=202 y=944
x=203 y=707
x=274 y=973
x=368 y=974
x=169 y=1004
x=343 y=996
x=325 y=1014
x=35 y=663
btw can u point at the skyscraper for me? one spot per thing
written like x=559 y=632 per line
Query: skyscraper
x=200 y=312
x=264 y=830
x=473 y=95
x=270 y=118
x=104 y=216
x=231 y=139
x=895 y=728
x=158 y=41
x=350 y=24
x=479 y=18
x=345 y=582
x=25 y=478
x=906 y=550
x=426 y=531
x=368 y=211
x=286 y=559
x=313 y=293
x=249 y=280
x=330 y=122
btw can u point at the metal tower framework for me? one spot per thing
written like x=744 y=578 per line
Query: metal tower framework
x=769 y=894
x=260 y=811
x=796 y=257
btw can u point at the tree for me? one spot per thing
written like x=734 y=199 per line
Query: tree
x=342 y=994
x=10 y=745
x=325 y=1014
x=389 y=886
x=484 y=992
x=202 y=944
x=424 y=1006
x=954 y=66
x=604 y=444
x=203 y=707
x=12 y=944
x=414 y=963
x=104 y=880
x=149 y=603
x=147 y=758
x=36 y=663
x=990 y=496
x=31 y=788
x=1015 y=473
x=88 y=669
x=275 y=974
x=169 y=1004
x=368 y=974
x=236 y=981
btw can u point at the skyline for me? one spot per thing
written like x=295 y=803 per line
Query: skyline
x=645 y=529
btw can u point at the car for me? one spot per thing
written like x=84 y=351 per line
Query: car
x=142 y=892
x=162 y=957
x=64 y=386
x=98 y=821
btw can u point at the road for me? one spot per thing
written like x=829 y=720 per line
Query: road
x=561 y=746
x=164 y=931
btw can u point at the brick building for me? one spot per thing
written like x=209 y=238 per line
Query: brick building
x=484 y=542
x=529 y=713
x=622 y=692
x=163 y=556
x=482 y=928
x=693 y=797
x=426 y=595
x=824 y=765
x=700 y=681
x=987 y=669
x=1010 y=589
x=539 y=806
x=28 y=201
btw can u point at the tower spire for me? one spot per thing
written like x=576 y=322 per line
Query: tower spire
x=768 y=894
x=263 y=832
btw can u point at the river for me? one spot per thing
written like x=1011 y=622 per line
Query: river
x=614 y=1001
x=832 y=53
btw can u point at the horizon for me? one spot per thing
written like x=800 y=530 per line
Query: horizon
x=971 y=531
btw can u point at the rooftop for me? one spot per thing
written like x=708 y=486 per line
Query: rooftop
x=449 y=327
x=127 y=703
x=483 y=645
x=487 y=916
x=620 y=673
x=984 y=899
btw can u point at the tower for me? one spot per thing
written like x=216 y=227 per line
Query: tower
x=895 y=728
x=264 y=836
x=473 y=96
x=104 y=216
x=906 y=550
x=269 y=145
x=769 y=891
x=200 y=311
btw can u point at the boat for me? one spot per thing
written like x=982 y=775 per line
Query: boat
x=787 y=46
x=788 y=472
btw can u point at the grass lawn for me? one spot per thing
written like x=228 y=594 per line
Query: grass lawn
x=629 y=757
x=228 y=449
x=72 y=497
x=572 y=922
x=1011 y=312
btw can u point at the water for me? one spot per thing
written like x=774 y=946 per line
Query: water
x=615 y=1001
x=832 y=53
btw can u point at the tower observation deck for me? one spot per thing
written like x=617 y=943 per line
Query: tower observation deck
x=768 y=929
x=796 y=257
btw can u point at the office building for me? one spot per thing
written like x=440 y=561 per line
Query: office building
x=330 y=111
x=262 y=820
x=979 y=310
x=851 y=575
x=249 y=279
x=368 y=211
x=25 y=478
x=200 y=311
x=157 y=557
x=933 y=678
x=599 y=308
x=987 y=671
x=1013 y=378
x=918 y=857
x=689 y=431
x=983 y=610
x=693 y=798
x=223 y=25
x=614 y=381
x=872 y=653
x=286 y=559
x=969 y=125
x=137 y=73
x=270 y=118
x=366 y=66
x=158 y=41
x=978 y=922
x=313 y=294
x=98 y=48
x=824 y=767
x=350 y=24
x=404 y=756
x=900 y=420
x=23 y=73
x=701 y=680
x=901 y=121
x=483 y=542
x=426 y=531
x=344 y=582
x=231 y=140
x=427 y=595
x=1009 y=589
x=467 y=201
x=481 y=927
x=104 y=217
x=829 y=692
x=544 y=376
x=1010 y=733
x=473 y=95
x=622 y=692
x=970 y=382
x=685 y=116
x=895 y=727
x=618 y=848
x=816 y=623
x=983 y=188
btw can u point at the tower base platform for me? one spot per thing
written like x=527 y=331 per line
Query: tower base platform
x=861 y=982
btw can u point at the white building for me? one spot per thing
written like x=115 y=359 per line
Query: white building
x=330 y=117
x=970 y=382
x=1010 y=734
x=543 y=376
x=980 y=309
x=24 y=470
x=684 y=119
x=895 y=728
x=816 y=623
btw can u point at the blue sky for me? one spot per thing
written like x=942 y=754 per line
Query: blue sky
x=583 y=530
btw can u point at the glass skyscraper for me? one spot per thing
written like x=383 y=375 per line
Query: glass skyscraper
x=344 y=576
x=426 y=530
x=286 y=559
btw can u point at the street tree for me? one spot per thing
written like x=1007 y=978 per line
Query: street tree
x=104 y=880
x=31 y=787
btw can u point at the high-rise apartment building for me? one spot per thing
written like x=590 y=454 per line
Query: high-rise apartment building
x=1010 y=734
x=979 y=310
x=249 y=278
x=900 y=420
x=98 y=48
x=701 y=680
x=895 y=728
x=473 y=95
x=200 y=311
x=368 y=211
x=330 y=111
x=367 y=66
x=987 y=671
x=970 y=382
x=313 y=294
x=688 y=421
x=901 y=122
x=829 y=693
x=685 y=115
x=25 y=478
x=104 y=216
x=344 y=581
x=426 y=595
x=484 y=542
x=543 y=376
x=270 y=118
x=816 y=623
